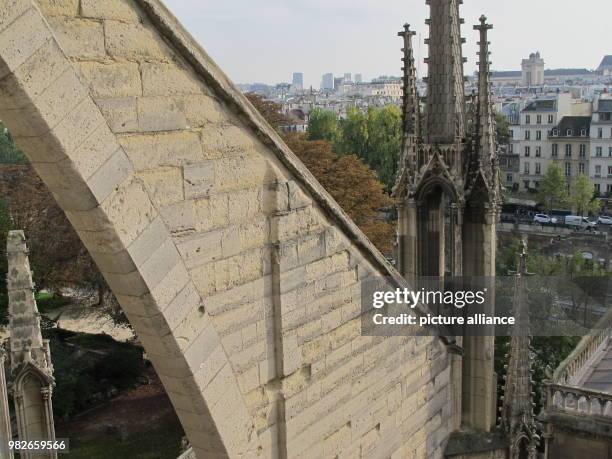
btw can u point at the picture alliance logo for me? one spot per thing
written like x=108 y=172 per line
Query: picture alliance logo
x=412 y=298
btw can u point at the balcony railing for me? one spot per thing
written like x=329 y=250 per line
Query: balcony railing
x=571 y=368
x=574 y=400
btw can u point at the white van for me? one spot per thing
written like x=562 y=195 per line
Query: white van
x=577 y=221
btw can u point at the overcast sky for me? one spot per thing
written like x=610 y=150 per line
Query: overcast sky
x=267 y=40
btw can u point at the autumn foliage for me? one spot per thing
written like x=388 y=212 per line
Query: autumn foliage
x=347 y=178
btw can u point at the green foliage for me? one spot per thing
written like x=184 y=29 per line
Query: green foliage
x=81 y=375
x=159 y=443
x=375 y=137
x=322 y=125
x=583 y=196
x=9 y=153
x=503 y=129
x=552 y=192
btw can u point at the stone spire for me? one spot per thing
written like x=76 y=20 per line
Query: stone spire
x=411 y=116
x=517 y=418
x=30 y=355
x=445 y=80
x=26 y=342
x=484 y=155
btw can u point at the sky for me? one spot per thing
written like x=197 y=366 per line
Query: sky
x=267 y=40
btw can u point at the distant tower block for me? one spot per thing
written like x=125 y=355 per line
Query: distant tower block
x=30 y=355
x=533 y=70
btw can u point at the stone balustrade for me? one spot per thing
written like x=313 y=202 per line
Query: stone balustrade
x=571 y=368
x=574 y=400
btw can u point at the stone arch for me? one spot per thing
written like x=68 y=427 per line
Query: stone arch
x=212 y=235
x=68 y=140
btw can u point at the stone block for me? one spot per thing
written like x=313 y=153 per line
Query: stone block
x=239 y=172
x=78 y=126
x=160 y=114
x=58 y=7
x=119 y=10
x=110 y=175
x=218 y=141
x=34 y=76
x=11 y=10
x=198 y=179
x=121 y=114
x=159 y=264
x=230 y=242
x=200 y=249
x=171 y=285
x=148 y=241
x=129 y=220
x=201 y=109
x=168 y=79
x=79 y=38
x=134 y=41
x=25 y=35
x=149 y=151
x=164 y=185
x=111 y=80
x=185 y=303
x=244 y=205
x=180 y=218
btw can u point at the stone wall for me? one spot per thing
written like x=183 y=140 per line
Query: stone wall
x=239 y=273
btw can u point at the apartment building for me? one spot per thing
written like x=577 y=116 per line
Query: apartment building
x=569 y=145
x=529 y=133
x=600 y=169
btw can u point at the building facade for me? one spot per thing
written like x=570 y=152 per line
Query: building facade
x=529 y=131
x=569 y=146
x=532 y=70
x=600 y=169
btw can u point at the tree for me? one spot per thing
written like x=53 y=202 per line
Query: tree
x=322 y=125
x=503 y=129
x=9 y=153
x=553 y=188
x=347 y=178
x=269 y=110
x=583 y=196
x=352 y=184
x=353 y=134
x=384 y=142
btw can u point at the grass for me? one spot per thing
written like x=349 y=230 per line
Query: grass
x=48 y=302
x=161 y=443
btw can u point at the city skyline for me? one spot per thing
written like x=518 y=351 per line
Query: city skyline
x=271 y=39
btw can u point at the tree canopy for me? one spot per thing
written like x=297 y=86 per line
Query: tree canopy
x=552 y=192
x=583 y=196
x=346 y=176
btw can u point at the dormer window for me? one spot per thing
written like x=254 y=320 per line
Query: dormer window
x=569 y=132
x=555 y=132
x=583 y=132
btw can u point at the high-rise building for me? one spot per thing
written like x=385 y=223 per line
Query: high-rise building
x=298 y=81
x=328 y=81
x=533 y=70
x=358 y=78
x=347 y=78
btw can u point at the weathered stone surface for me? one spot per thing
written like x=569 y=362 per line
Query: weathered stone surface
x=110 y=80
x=237 y=272
x=125 y=40
x=161 y=79
x=119 y=10
x=79 y=38
x=58 y=7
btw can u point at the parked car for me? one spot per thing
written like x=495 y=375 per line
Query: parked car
x=543 y=218
x=604 y=220
x=576 y=221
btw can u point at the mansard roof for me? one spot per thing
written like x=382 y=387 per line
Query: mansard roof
x=606 y=61
x=604 y=105
x=541 y=105
x=574 y=123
